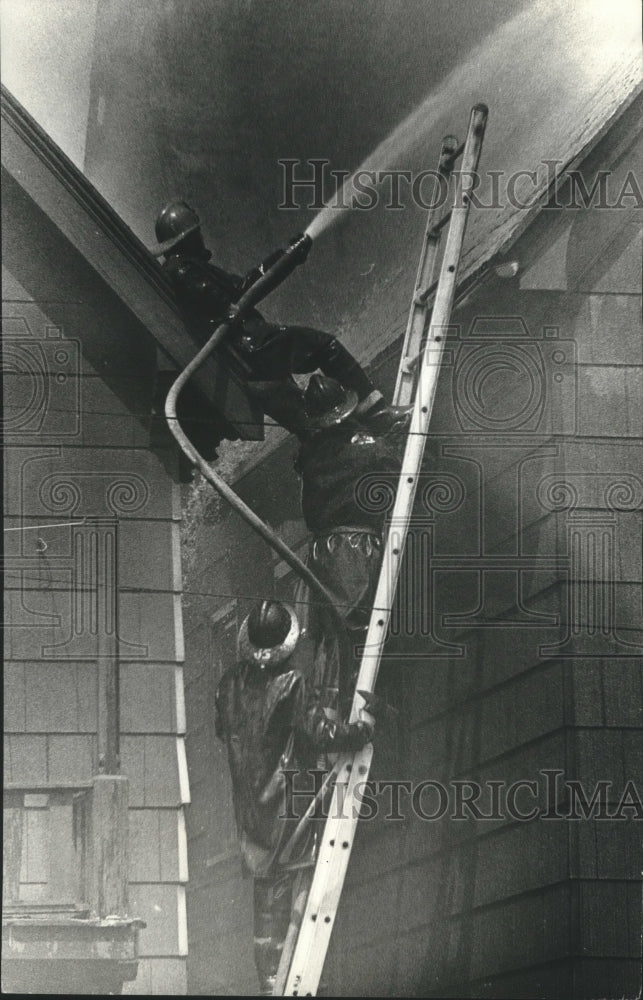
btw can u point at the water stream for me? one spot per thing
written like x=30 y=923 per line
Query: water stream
x=530 y=45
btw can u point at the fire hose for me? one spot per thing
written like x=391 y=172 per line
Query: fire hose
x=294 y=255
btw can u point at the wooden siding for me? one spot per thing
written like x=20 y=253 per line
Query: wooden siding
x=80 y=472
x=67 y=200
x=374 y=310
x=516 y=671
x=219 y=904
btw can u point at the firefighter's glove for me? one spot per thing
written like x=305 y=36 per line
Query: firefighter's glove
x=389 y=420
x=358 y=735
x=233 y=313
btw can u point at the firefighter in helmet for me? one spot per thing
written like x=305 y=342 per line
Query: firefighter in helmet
x=264 y=354
x=270 y=713
x=348 y=481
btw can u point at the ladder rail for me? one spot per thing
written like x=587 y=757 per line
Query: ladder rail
x=301 y=890
x=416 y=324
x=309 y=954
x=436 y=218
x=425 y=396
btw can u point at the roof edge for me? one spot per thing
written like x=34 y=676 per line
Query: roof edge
x=87 y=220
x=84 y=192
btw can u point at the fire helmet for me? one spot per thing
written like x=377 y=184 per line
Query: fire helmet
x=176 y=221
x=327 y=403
x=269 y=634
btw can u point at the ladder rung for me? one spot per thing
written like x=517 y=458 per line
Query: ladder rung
x=410 y=364
x=435 y=230
x=450 y=160
x=441 y=223
x=421 y=297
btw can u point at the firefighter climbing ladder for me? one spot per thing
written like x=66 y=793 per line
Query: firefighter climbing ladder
x=309 y=936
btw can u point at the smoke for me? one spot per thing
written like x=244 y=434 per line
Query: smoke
x=551 y=43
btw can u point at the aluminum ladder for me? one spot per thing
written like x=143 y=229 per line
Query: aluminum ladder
x=309 y=935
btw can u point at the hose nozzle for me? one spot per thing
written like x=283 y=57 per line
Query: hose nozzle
x=284 y=264
x=300 y=247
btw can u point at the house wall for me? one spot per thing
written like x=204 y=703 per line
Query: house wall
x=522 y=655
x=185 y=103
x=503 y=907
x=219 y=901
x=79 y=373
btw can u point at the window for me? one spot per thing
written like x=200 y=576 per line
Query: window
x=44 y=850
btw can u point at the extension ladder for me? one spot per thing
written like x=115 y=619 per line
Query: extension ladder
x=308 y=938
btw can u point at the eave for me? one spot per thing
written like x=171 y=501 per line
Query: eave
x=93 y=228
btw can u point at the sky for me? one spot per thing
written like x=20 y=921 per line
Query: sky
x=45 y=57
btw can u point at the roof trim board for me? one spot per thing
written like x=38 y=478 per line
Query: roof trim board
x=92 y=226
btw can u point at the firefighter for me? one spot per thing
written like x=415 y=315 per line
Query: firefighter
x=348 y=481
x=270 y=713
x=264 y=354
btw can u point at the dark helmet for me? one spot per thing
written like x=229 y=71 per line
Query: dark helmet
x=176 y=221
x=327 y=403
x=269 y=634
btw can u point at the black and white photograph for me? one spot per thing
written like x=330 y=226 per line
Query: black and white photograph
x=322 y=382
